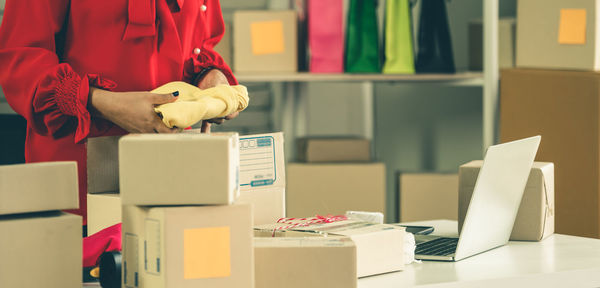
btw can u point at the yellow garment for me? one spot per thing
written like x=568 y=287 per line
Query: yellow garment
x=195 y=104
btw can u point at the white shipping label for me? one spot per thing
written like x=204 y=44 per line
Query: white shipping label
x=152 y=247
x=257 y=161
x=130 y=264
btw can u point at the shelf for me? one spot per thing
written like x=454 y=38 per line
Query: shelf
x=461 y=78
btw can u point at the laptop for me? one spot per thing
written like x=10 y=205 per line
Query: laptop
x=493 y=208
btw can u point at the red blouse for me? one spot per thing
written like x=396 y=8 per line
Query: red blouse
x=52 y=51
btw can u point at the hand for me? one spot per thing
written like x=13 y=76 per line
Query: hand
x=132 y=111
x=212 y=79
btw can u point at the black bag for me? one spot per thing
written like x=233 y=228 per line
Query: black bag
x=434 y=45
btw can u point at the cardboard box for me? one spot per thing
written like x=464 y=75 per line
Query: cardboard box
x=202 y=246
x=506 y=43
x=224 y=46
x=314 y=150
x=262 y=176
x=563 y=107
x=265 y=41
x=379 y=247
x=535 y=219
x=41 y=250
x=334 y=188
x=298 y=262
x=38 y=187
x=179 y=169
x=428 y=196
x=268 y=204
x=103 y=211
x=558 y=34
x=102 y=164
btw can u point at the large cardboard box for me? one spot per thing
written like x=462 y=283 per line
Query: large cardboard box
x=563 y=107
x=506 y=43
x=265 y=41
x=262 y=176
x=202 y=246
x=325 y=189
x=102 y=164
x=38 y=187
x=179 y=169
x=224 y=46
x=535 y=219
x=40 y=250
x=298 y=262
x=558 y=34
x=428 y=196
x=379 y=247
x=314 y=150
x=103 y=211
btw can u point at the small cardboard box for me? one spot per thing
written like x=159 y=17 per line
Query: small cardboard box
x=379 y=247
x=265 y=41
x=314 y=150
x=506 y=43
x=38 y=187
x=428 y=196
x=179 y=169
x=103 y=164
x=535 y=219
x=103 y=211
x=41 y=250
x=558 y=34
x=322 y=189
x=201 y=246
x=298 y=262
x=262 y=176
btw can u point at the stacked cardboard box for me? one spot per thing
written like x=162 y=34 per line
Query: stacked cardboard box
x=559 y=103
x=337 y=177
x=428 y=196
x=103 y=199
x=39 y=245
x=262 y=186
x=262 y=176
x=180 y=226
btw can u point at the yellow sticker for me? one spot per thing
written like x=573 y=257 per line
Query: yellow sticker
x=267 y=37
x=206 y=253
x=572 y=26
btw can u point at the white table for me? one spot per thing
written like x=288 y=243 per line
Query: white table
x=557 y=261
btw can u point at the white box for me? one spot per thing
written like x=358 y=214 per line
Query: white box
x=179 y=169
x=379 y=247
x=262 y=176
x=103 y=211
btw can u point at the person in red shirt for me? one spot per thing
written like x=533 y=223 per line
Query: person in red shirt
x=78 y=69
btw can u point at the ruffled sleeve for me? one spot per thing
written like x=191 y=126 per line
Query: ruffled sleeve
x=62 y=95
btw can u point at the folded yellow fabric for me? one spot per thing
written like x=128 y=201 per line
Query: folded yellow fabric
x=195 y=104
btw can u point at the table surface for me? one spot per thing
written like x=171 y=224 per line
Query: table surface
x=557 y=261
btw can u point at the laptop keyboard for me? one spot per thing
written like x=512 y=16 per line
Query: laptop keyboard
x=437 y=247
